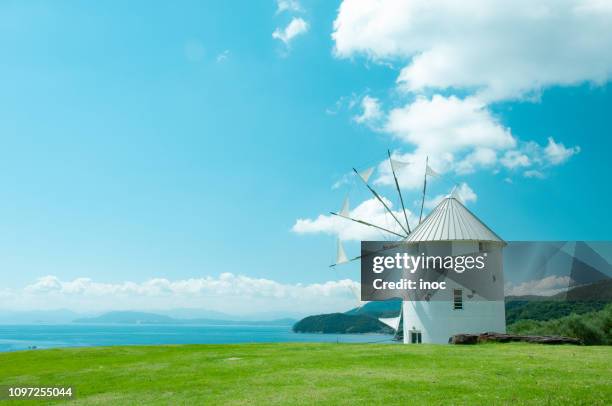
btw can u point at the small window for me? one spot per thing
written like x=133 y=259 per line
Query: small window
x=482 y=247
x=415 y=337
x=457 y=299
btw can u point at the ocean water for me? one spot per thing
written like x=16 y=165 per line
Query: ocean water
x=21 y=337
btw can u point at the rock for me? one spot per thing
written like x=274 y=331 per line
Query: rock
x=507 y=338
x=464 y=339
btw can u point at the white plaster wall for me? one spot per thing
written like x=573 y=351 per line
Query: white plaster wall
x=438 y=321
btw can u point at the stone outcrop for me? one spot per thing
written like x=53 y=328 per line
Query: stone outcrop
x=507 y=338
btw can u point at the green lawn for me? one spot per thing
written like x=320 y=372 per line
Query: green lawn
x=326 y=373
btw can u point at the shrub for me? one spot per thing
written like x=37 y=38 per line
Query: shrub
x=594 y=328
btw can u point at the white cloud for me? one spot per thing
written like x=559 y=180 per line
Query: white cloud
x=497 y=48
x=481 y=157
x=531 y=154
x=466 y=194
x=557 y=153
x=534 y=174
x=229 y=293
x=289 y=6
x=456 y=134
x=45 y=284
x=547 y=286
x=223 y=56
x=296 y=27
x=371 y=111
x=345 y=179
x=487 y=50
x=448 y=124
x=515 y=159
x=370 y=210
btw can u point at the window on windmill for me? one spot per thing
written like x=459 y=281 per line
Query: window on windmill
x=482 y=247
x=457 y=299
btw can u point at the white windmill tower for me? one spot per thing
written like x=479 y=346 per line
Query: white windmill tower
x=456 y=309
x=451 y=227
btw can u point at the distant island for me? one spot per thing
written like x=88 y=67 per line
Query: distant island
x=129 y=317
x=362 y=319
x=341 y=323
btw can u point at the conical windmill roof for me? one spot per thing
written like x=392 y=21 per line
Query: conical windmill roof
x=452 y=221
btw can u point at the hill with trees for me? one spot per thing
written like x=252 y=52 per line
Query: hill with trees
x=341 y=323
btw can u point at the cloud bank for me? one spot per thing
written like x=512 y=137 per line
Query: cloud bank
x=458 y=58
x=547 y=286
x=494 y=48
x=228 y=293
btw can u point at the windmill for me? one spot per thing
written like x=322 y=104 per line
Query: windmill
x=402 y=225
x=472 y=305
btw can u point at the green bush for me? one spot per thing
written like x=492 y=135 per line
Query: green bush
x=549 y=309
x=583 y=328
x=594 y=328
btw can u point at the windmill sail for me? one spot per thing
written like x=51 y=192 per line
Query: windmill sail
x=345 y=211
x=357 y=293
x=377 y=196
x=427 y=170
x=456 y=194
x=393 y=164
x=431 y=172
x=392 y=322
x=398 y=165
x=366 y=173
x=341 y=257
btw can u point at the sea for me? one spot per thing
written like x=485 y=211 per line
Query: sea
x=25 y=337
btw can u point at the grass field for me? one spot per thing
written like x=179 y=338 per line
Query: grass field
x=327 y=373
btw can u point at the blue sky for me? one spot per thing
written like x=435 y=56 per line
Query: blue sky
x=168 y=141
